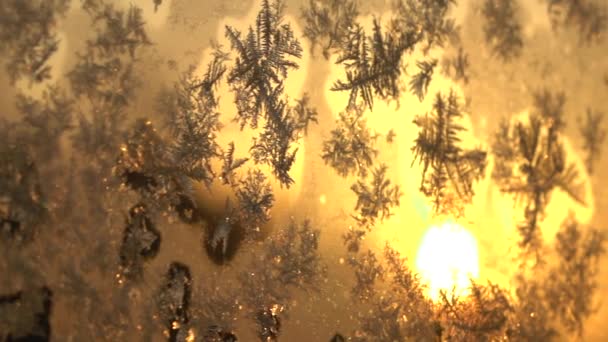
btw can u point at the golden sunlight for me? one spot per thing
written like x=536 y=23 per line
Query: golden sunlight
x=447 y=259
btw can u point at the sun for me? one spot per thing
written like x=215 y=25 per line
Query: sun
x=447 y=259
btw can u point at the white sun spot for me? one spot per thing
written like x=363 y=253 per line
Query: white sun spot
x=447 y=259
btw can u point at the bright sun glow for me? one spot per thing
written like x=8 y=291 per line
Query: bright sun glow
x=447 y=259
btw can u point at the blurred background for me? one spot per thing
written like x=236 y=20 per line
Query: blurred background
x=78 y=210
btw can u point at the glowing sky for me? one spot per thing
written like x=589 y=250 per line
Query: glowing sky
x=490 y=219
